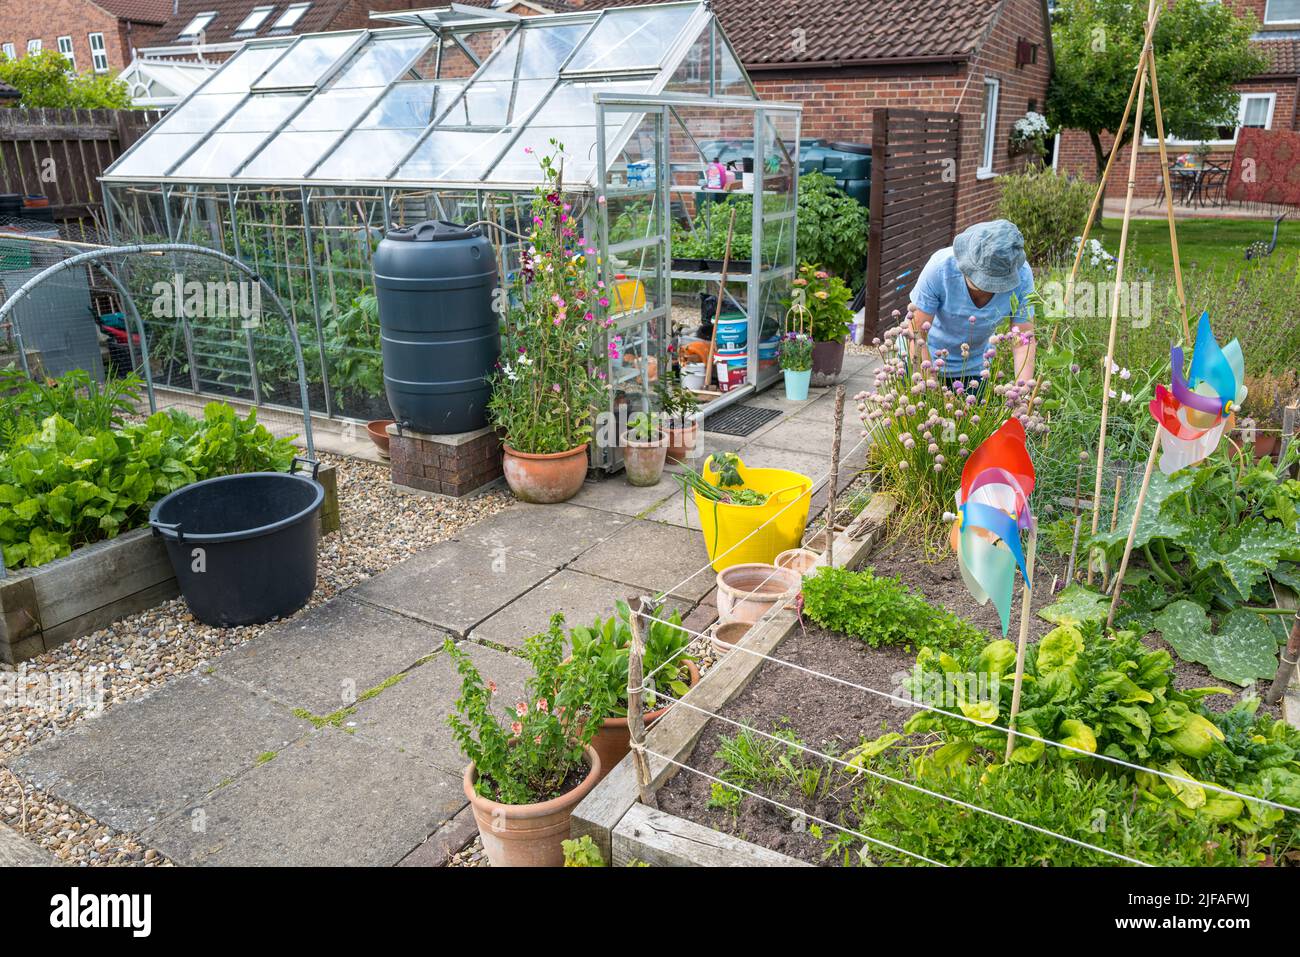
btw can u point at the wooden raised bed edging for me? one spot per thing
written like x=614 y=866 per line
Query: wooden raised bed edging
x=42 y=608
x=611 y=814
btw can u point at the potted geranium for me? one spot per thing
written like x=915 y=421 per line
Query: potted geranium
x=796 y=357
x=530 y=767
x=551 y=370
x=645 y=446
x=821 y=302
x=601 y=653
x=677 y=410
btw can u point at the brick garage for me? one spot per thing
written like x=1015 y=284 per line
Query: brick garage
x=125 y=26
x=841 y=59
x=1278 y=87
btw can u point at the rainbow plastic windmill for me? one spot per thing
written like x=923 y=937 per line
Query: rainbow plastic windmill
x=992 y=510
x=1193 y=415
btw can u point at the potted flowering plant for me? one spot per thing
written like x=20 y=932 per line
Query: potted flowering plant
x=551 y=371
x=645 y=446
x=677 y=410
x=530 y=767
x=796 y=357
x=1029 y=135
x=821 y=303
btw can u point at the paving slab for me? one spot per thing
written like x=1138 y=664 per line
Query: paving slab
x=145 y=759
x=411 y=716
x=550 y=535
x=579 y=596
x=330 y=799
x=679 y=510
x=804 y=433
x=814 y=465
x=453 y=585
x=323 y=660
x=615 y=494
x=17 y=851
x=654 y=556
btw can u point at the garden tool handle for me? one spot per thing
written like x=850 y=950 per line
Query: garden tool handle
x=303 y=460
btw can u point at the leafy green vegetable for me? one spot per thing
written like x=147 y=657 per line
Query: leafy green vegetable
x=1076 y=605
x=601 y=652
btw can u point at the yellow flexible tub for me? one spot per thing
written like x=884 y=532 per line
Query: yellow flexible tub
x=779 y=522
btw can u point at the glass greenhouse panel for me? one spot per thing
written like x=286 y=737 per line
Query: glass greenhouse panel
x=454 y=155
x=307 y=62
x=520 y=164
x=290 y=155
x=631 y=39
x=379 y=63
x=496 y=103
x=162 y=151
x=411 y=104
x=239 y=72
x=366 y=154
x=225 y=150
x=545 y=49
x=200 y=113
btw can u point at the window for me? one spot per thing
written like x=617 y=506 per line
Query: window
x=254 y=20
x=1282 y=11
x=990 y=120
x=196 y=26
x=65 y=48
x=8 y=50
x=290 y=16
x=1253 y=109
x=33 y=46
x=98 y=53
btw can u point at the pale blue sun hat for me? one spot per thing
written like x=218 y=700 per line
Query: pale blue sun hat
x=990 y=255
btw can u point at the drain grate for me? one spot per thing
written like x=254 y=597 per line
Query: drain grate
x=740 y=419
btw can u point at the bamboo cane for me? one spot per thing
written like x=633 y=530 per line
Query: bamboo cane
x=1169 y=196
x=835 y=476
x=635 y=719
x=1023 y=643
x=1114 y=306
x=1132 y=528
x=722 y=293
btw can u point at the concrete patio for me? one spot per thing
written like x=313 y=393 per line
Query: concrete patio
x=324 y=741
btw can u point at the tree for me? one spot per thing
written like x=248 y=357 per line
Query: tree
x=1201 y=49
x=45 y=79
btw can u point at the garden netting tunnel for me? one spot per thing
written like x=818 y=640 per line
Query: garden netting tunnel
x=299 y=153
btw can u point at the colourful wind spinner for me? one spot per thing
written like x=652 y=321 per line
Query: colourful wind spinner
x=992 y=510
x=1193 y=416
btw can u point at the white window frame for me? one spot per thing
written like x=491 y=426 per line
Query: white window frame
x=33 y=46
x=1149 y=140
x=195 y=27
x=989 y=129
x=1269 y=21
x=9 y=50
x=283 y=21
x=98 y=52
x=256 y=17
x=65 y=48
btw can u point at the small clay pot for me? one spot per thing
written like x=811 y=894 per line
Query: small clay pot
x=748 y=591
x=682 y=440
x=801 y=560
x=528 y=835
x=378 y=432
x=613 y=741
x=644 y=461
x=545 y=479
x=726 y=635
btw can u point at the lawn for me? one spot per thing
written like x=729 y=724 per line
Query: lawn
x=1205 y=243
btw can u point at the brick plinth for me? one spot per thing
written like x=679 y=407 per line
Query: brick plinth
x=453 y=465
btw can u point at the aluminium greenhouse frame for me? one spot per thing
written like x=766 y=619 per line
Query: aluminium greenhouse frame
x=311 y=234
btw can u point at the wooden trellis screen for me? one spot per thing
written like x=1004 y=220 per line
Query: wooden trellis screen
x=60 y=154
x=915 y=159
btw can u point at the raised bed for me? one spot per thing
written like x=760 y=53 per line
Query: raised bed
x=625 y=830
x=42 y=608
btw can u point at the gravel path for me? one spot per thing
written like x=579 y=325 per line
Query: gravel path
x=380 y=527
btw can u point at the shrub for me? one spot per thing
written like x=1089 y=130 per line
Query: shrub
x=45 y=80
x=1049 y=210
x=819 y=304
x=832 y=228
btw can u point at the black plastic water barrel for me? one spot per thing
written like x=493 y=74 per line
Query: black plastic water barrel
x=440 y=336
x=243 y=546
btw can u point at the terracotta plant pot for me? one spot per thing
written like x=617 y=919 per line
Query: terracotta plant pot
x=728 y=634
x=748 y=591
x=828 y=359
x=613 y=741
x=527 y=835
x=801 y=560
x=545 y=479
x=378 y=432
x=644 y=461
x=681 y=441
x=1266 y=446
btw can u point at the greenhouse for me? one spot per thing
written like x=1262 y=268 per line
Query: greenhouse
x=299 y=153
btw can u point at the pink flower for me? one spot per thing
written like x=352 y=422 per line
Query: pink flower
x=516 y=728
x=521 y=709
x=822 y=274
x=537 y=740
x=555 y=387
x=543 y=705
x=604 y=300
x=492 y=687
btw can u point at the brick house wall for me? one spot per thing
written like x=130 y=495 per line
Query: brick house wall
x=838 y=104
x=47 y=20
x=1076 y=155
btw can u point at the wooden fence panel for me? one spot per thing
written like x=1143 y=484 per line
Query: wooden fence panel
x=61 y=153
x=915 y=158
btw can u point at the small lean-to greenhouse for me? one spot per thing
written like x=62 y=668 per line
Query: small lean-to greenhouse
x=299 y=153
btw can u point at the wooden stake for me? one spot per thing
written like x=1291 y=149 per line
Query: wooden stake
x=1119 y=282
x=1025 y=616
x=1169 y=196
x=1133 y=527
x=722 y=295
x=635 y=719
x=835 y=476
x=1114 y=506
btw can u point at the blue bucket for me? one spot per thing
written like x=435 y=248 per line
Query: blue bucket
x=733 y=331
